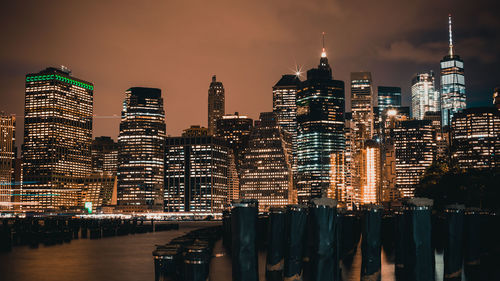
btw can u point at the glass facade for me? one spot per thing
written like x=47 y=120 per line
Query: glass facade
x=141 y=150
x=424 y=96
x=104 y=156
x=476 y=138
x=7 y=159
x=267 y=167
x=57 y=139
x=196 y=174
x=216 y=104
x=388 y=97
x=320 y=130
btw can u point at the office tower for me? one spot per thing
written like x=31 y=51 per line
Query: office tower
x=414 y=149
x=104 y=156
x=348 y=196
x=362 y=106
x=453 y=97
x=320 y=129
x=216 y=104
x=267 y=167
x=7 y=159
x=141 y=150
x=370 y=173
x=475 y=138
x=285 y=108
x=196 y=171
x=496 y=98
x=235 y=130
x=424 y=96
x=439 y=137
x=195 y=131
x=233 y=179
x=388 y=97
x=57 y=139
x=97 y=190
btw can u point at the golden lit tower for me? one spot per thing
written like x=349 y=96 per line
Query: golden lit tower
x=216 y=104
x=57 y=138
x=7 y=157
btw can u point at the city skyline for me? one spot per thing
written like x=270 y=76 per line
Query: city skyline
x=248 y=90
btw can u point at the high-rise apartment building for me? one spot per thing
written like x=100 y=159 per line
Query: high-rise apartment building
x=414 y=148
x=196 y=174
x=104 y=156
x=267 y=167
x=285 y=107
x=424 y=96
x=453 y=97
x=216 y=104
x=7 y=159
x=57 y=139
x=141 y=150
x=320 y=129
x=475 y=135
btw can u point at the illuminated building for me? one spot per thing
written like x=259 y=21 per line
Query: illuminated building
x=388 y=97
x=7 y=158
x=361 y=106
x=196 y=174
x=141 y=150
x=370 y=173
x=320 y=129
x=57 y=139
x=453 y=97
x=235 y=130
x=104 y=156
x=267 y=167
x=195 y=131
x=496 y=98
x=98 y=189
x=439 y=137
x=285 y=107
x=350 y=195
x=424 y=96
x=475 y=138
x=414 y=148
x=216 y=104
x=233 y=179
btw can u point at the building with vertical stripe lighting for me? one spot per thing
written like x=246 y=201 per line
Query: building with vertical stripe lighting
x=7 y=159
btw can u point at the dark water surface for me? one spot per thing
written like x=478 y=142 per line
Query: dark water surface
x=128 y=258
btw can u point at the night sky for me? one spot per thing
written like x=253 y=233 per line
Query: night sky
x=178 y=45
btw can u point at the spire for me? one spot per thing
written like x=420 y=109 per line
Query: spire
x=451 y=38
x=323 y=51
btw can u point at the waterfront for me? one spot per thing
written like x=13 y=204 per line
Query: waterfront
x=128 y=258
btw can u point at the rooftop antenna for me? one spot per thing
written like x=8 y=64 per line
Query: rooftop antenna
x=323 y=52
x=451 y=38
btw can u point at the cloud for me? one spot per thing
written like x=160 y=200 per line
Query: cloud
x=406 y=51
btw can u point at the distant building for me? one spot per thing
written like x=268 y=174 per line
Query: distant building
x=216 y=104
x=414 y=149
x=438 y=134
x=320 y=134
x=476 y=138
x=496 y=98
x=370 y=173
x=98 y=190
x=362 y=106
x=57 y=139
x=235 y=130
x=7 y=159
x=267 y=166
x=141 y=151
x=104 y=156
x=285 y=107
x=196 y=174
x=388 y=97
x=453 y=97
x=424 y=95
x=195 y=131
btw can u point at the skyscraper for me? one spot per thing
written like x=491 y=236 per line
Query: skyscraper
x=362 y=106
x=320 y=129
x=453 y=97
x=104 y=156
x=424 y=96
x=475 y=138
x=235 y=130
x=414 y=149
x=388 y=97
x=141 y=150
x=370 y=173
x=285 y=107
x=267 y=166
x=57 y=138
x=196 y=170
x=216 y=104
x=7 y=158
